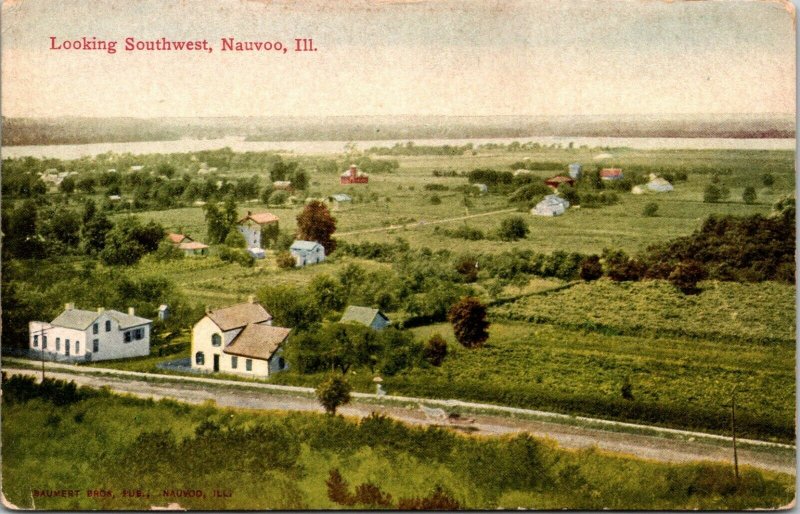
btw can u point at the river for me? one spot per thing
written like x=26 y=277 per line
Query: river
x=238 y=144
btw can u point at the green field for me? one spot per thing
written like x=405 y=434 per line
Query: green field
x=57 y=440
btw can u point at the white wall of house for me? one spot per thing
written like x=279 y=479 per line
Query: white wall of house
x=80 y=344
x=305 y=257
x=252 y=234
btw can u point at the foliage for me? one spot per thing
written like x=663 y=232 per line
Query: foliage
x=749 y=195
x=285 y=260
x=129 y=241
x=468 y=318
x=315 y=223
x=513 y=228
x=216 y=226
x=650 y=210
x=621 y=268
x=235 y=239
x=289 y=306
x=333 y=393
x=435 y=350
x=238 y=255
x=167 y=251
x=591 y=268
x=686 y=275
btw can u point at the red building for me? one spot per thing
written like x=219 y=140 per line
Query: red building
x=354 y=176
x=554 y=182
x=611 y=174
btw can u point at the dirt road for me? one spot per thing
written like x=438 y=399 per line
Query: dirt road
x=642 y=446
x=422 y=223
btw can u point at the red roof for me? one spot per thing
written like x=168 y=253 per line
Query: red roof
x=192 y=245
x=262 y=218
x=560 y=179
x=177 y=238
x=610 y=172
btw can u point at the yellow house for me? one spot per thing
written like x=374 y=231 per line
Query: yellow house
x=239 y=339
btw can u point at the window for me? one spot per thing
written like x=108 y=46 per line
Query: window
x=44 y=342
x=66 y=347
x=281 y=363
x=108 y=325
x=234 y=361
x=96 y=345
x=95 y=328
x=58 y=344
x=128 y=336
x=77 y=347
x=199 y=358
x=248 y=364
x=216 y=340
x=35 y=341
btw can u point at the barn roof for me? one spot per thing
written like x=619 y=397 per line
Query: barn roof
x=262 y=218
x=304 y=245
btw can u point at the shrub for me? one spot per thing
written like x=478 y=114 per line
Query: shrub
x=712 y=194
x=591 y=268
x=277 y=198
x=650 y=210
x=686 y=275
x=513 y=228
x=749 y=195
x=237 y=255
x=285 y=260
x=235 y=239
x=435 y=200
x=333 y=392
x=767 y=179
x=435 y=350
x=468 y=317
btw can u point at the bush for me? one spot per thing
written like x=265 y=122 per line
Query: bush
x=237 y=255
x=686 y=275
x=235 y=239
x=435 y=200
x=285 y=260
x=650 y=210
x=468 y=317
x=749 y=195
x=333 y=392
x=277 y=198
x=168 y=252
x=712 y=194
x=591 y=268
x=513 y=228
x=435 y=350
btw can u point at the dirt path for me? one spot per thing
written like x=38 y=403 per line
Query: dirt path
x=423 y=223
x=642 y=446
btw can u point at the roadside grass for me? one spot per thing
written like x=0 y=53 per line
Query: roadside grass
x=104 y=441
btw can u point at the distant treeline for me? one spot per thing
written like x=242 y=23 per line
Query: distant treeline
x=74 y=130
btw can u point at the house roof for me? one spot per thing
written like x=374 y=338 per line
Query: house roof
x=341 y=197
x=304 y=245
x=192 y=245
x=237 y=316
x=262 y=218
x=282 y=183
x=79 y=319
x=363 y=315
x=560 y=179
x=610 y=172
x=659 y=182
x=177 y=238
x=553 y=200
x=257 y=341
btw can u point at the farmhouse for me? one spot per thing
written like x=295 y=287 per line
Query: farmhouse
x=611 y=174
x=659 y=185
x=251 y=226
x=575 y=170
x=79 y=335
x=551 y=205
x=282 y=185
x=556 y=181
x=189 y=247
x=354 y=176
x=307 y=252
x=239 y=339
x=372 y=318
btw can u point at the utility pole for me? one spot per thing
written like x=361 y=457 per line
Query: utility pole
x=733 y=430
x=41 y=349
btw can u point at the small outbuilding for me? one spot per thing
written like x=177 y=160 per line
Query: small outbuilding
x=282 y=185
x=551 y=205
x=575 y=170
x=556 y=181
x=193 y=248
x=659 y=185
x=353 y=176
x=372 y=318
x=611 y=174
x=307 y=252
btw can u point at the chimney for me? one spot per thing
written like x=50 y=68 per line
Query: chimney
x=69 y=306
x=208 y=309
x=100 y=309
x=131 y=311
x=251 y=299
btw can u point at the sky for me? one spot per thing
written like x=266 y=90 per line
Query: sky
x=403 y=57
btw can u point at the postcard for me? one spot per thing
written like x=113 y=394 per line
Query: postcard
x=398 y=254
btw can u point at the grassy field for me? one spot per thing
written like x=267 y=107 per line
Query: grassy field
x=98 y=441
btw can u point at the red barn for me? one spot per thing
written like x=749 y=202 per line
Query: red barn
x=611 y=174
x=354 y=176
x=556 y=181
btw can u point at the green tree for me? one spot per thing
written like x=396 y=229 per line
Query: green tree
x=650 y=210
x=315 y=223
x=333 y=393
x=435 y=350
x=767 y=179
x=749 y=195
x=216 y=227
x=712 y=194
x=235 y=239
x=229 y=212
x=285 y=260
x=67 y=185
x=328 y=293
x=513 y=228
x=468 y=318
x=94 y=229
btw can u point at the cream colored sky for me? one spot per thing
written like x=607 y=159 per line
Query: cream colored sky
x=544 y=57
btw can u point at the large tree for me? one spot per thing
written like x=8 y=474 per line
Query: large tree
x=315 y=223
x=333 y=392
x=216 y=227
x=468 y=317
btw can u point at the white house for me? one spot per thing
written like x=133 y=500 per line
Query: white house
x=551 y=205
x=659 y=185
x=79 y=335
x=239 y=339
x=307 y=252
x=251 y=225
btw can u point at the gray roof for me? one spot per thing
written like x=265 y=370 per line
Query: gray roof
x=79 y=319
x=304 y=245
x=341 y=197
x=363 y=315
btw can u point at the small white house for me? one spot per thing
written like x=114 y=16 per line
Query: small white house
x=575 y=170
x=307 y=252
x=659 y=185
x=551 y=205
x=80 y=335
x=239 y=339
x=251 y=225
